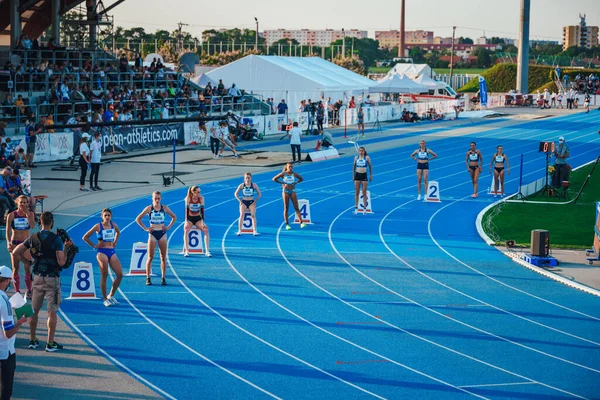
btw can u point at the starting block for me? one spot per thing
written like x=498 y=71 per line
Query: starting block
x=368 y=209
x=433 y=192
x=540 y=261
x=304 y=206
x=82 y=284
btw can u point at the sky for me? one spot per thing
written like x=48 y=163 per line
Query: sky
x=473 y=18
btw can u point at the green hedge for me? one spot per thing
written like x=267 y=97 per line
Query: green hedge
x=501 y=78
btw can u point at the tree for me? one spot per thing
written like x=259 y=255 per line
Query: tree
x=484 y=58
x=496 y=40
x=465 y=40
x=417 y=54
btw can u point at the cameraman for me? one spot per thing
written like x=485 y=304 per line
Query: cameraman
x=49 y=257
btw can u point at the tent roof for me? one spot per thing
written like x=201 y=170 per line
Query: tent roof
x=289 y=73
x=397 y=84
x=412 y=70
x=427 y=81
x=203 y=80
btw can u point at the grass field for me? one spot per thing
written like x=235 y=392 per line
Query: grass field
x=570 y=225
x=384 y=70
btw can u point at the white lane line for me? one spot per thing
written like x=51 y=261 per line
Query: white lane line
x=242 y=329
x=498 y=384
x=112 y=359
x=119 y=324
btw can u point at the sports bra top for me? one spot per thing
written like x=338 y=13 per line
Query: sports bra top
x=157 y=217
x=499 y=159
x=248 y=191
x=361 y=163
x=473 y=156
x=20 y=223
x=107 y=235
x=423 y=154
x=289 y=179
x=194 y=207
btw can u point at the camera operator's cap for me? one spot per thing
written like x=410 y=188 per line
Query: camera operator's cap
x=5 y=272
x=561 y=139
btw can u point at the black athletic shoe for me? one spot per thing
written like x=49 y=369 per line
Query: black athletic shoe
x=163 y=282
x=53 y=346
x=33 y=344
x=148 y=281
x=98 y=188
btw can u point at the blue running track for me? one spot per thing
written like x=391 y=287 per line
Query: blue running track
x=407 y=302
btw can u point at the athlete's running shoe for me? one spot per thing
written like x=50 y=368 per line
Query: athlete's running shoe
x=288 y=227
x=53 y=346
x=208 y=254
x=108 y=303
x=303 y=225
x=186 y=253
x=256 y=233
x=418 y=197
x=163 y=281
x=148 y=281
x=33 y=344
x=114 y=301
x=238 y=233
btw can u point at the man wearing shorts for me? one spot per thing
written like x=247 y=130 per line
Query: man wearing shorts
x=48 y=251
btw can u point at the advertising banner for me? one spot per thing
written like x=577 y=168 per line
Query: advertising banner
x=141 y=137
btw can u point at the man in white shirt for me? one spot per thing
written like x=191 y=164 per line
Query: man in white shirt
x=8 y=359
x=164 y=111
x=295 y=135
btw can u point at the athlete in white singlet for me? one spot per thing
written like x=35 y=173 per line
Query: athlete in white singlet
x=250 y=195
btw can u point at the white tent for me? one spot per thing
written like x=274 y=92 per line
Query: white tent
x=397 y=84
x=430 y=83
x=292 y=78
x=412 y=70
x=203 y=80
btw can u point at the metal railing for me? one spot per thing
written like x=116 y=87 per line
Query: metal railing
x=178 y=107
x=69 y=56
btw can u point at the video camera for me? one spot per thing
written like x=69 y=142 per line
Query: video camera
x=71 y=252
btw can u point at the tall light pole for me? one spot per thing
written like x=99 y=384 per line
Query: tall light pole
x=523 y=54
x=452 y=56
x=256 y=38
x=343 y=43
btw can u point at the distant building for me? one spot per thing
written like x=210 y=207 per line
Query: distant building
x=461 y=50
x=390 y=39
x=580 y=35
x=481 y=40
x=323 y=37
x=441 y=40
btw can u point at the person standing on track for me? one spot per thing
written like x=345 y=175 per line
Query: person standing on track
x=250 y=195
x=84 y=160
x=474 y=161
x=215 y=140
x=498 y=161
x=422 y=156
x=157 y=234
x=359 y=174
x=288 y=179
x=18 y=226
x=96 y=156
x=107 y=233
x=360 y=115
x=295 y=135
x=194 y=218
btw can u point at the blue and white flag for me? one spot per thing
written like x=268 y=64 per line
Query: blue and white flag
x=483 y=93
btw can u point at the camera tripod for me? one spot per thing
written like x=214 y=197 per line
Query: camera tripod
x=377 y=124
x=168 y=180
